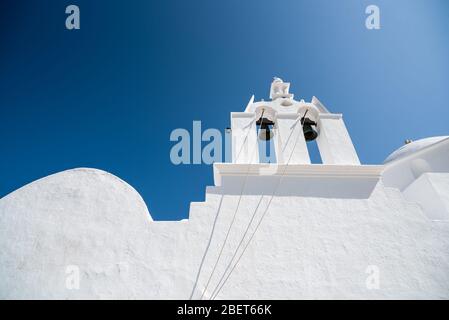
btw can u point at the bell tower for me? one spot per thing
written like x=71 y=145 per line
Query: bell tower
x=291 y=125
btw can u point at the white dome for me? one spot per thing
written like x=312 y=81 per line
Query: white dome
x=413 y=147
x=82 y=219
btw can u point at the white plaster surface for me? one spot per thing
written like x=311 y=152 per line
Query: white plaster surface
x=334 y=142
x=305 y=247
x=244 y=138
x=431 y=191
x=401 y=172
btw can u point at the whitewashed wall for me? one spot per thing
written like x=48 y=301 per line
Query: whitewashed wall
x=305 y=247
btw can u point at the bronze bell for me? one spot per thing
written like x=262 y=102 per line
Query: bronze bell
x=264 y=132
x=310 y=134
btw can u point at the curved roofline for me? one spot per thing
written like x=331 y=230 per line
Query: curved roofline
x=85 y=170
x=417 y=152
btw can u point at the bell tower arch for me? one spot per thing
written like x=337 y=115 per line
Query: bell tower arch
x=290 y=124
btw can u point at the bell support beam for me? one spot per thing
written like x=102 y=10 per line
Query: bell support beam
x=334 y=142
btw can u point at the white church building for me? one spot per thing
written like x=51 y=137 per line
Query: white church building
x=284 y=230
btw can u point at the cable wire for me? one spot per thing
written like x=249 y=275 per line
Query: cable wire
x=217 y=291
x=252 y=218
x=236 y=210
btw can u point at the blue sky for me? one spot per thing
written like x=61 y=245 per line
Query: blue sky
x=108 y=95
